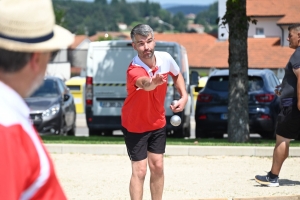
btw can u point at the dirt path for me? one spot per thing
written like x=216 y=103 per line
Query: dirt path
x=90 y=177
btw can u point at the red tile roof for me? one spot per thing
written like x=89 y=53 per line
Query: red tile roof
x=262 y=53
x=205 y=51
x=195 y=43
x=288 y=9
x=78 y=39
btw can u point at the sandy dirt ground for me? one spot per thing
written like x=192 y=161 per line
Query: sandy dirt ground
x=98 y=177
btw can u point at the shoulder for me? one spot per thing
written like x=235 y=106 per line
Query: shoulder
x=136 y=70
x=296 y=54
x=162 y=53
x=295 y=59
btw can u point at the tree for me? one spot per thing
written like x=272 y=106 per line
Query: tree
x=60 y=16
x=238 y=115
x=103 y=2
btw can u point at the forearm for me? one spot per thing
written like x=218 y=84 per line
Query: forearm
x=180 y=86
x=147 y=84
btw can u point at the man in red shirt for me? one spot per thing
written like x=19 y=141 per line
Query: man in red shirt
x=28 y=39
x=143 y=113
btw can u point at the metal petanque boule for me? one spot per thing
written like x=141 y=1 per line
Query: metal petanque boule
x=175 y=120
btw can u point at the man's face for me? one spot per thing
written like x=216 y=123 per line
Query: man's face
x=293 y=38
x=144 y=45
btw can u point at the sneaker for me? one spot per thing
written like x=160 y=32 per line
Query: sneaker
x=267 y=180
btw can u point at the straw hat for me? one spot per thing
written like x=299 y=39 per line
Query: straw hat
x=29 y=26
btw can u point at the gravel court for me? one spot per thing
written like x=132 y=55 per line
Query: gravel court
x=106 y=177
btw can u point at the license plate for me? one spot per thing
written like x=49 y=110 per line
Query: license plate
x=111 y=104
x=224 y=116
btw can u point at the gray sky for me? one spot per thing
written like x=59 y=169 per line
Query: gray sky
x=183 y=2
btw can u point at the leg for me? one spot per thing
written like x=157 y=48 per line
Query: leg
x=281 y=152
x=137 y=151
x=156 y=166
x=139 y=169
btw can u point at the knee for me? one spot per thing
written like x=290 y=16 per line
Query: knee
x=157 y=168
x=140 y=173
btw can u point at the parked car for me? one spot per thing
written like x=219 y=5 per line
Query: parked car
x=212 y=104
x=52 y=108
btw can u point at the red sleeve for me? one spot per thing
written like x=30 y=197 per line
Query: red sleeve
x=16 y=172
x=133 y=73
x=20 y=167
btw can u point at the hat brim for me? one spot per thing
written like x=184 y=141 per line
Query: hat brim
x=61 y=39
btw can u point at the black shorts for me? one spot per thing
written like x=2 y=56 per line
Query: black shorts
x=288 y=122
x=138 y=144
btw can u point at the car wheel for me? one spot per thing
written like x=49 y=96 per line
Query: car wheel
x=179 y=132
x=62 y=127
x=72 y=131
x=93 y=132
x=267 y=135
x=108 y=132
x=218 y=136
x=200 y=133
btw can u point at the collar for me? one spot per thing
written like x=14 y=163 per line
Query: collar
x=13 y=100
x=138 y=62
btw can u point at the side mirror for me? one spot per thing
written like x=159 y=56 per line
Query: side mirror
x=194 y=78
x=66 y=97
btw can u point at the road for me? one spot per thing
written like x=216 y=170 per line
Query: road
x=82 y=129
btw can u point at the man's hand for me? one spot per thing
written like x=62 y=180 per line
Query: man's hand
x=158 y=79
x=179 y=105
x=278 y=90
x=149 y=84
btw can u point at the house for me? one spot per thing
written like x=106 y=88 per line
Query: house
x=111 y=35
x=196 y=28
x=77 y=53
x=267 y=44
x=273 y=18
x=60 y=66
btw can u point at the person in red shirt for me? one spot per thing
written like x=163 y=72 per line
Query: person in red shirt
x=28 y=40
x=143 y=113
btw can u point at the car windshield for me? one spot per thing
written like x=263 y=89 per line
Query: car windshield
x=48 y=89
x=220 y=83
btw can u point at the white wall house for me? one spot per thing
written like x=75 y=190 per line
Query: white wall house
x=267 y=26
x=222 y=31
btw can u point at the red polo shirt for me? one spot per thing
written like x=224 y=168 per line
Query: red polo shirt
x=144 y=110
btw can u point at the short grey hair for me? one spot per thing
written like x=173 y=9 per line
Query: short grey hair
x=141 y=29
x=12 y=61
x=294 y=27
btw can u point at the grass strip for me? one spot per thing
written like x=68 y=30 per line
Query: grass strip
x=170 y=141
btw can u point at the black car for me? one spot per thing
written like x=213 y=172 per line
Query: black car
x=52 y=108
x=212 y=104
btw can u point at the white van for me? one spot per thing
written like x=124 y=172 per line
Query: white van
x=107 y=63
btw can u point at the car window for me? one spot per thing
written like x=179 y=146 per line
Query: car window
x=271 y=80
x=48 y=89
x=255 y=83
x=61 y=86
x=220 y=83
x=277 y=82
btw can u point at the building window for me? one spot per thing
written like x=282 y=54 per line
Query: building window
x=260 y=31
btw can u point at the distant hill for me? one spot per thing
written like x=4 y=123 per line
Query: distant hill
x=185 y=9
x=168 y=5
